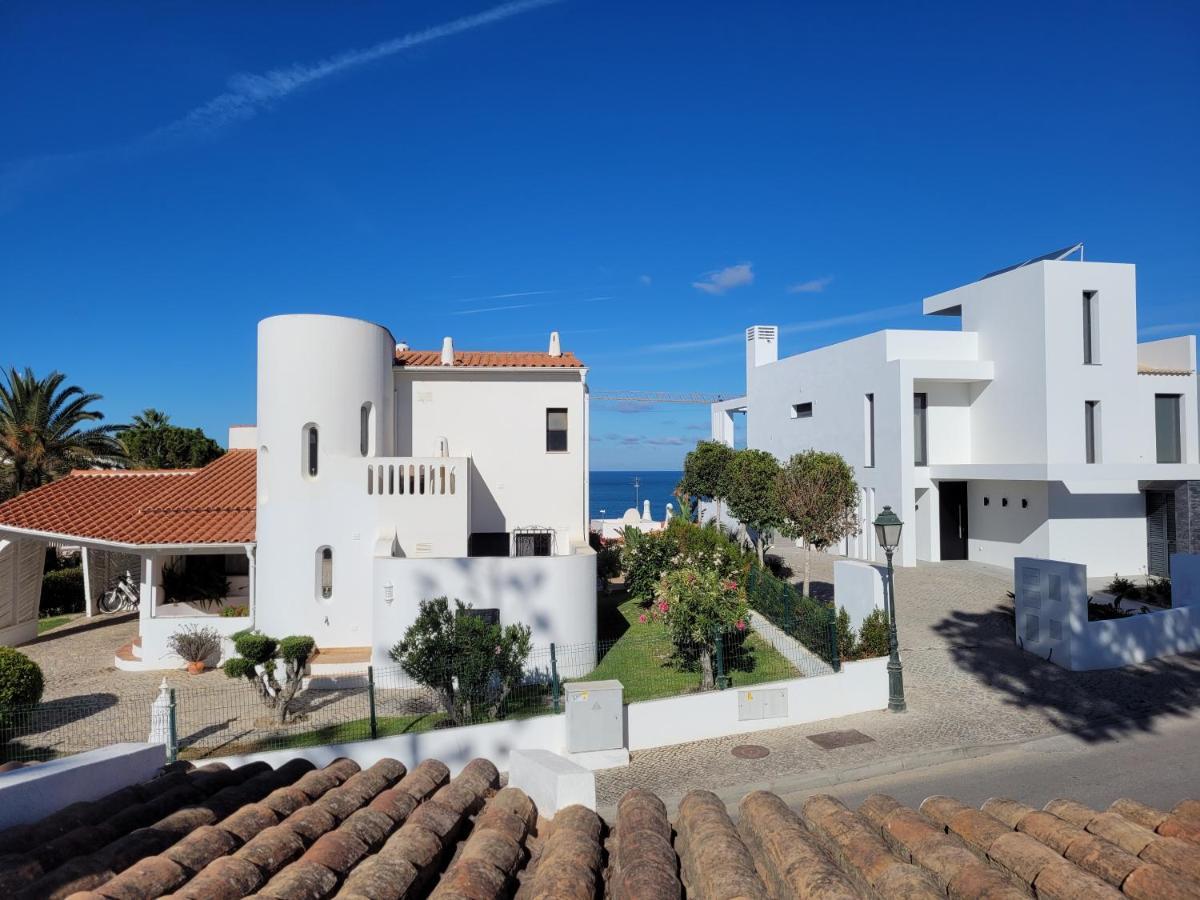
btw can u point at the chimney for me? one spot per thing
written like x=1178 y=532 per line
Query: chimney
x=447 y=352
x=401 y=346
x=762 y=347
x=555 y=346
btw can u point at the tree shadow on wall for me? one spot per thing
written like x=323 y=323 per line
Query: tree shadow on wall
x=1098 y=705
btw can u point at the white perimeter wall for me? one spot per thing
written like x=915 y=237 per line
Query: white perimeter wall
x=21 y=564
x=860 y=687
x=498 y=418
x=554 y=595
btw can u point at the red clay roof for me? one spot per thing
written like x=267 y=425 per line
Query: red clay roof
x=213 y=505
x=491 y=359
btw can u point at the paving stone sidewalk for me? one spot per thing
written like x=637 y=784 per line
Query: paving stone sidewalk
x=967 y=685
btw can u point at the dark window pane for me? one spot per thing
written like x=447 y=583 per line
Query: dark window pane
x=556 y=430
x=488 y=543
x=1166 y=428
x=920 y=430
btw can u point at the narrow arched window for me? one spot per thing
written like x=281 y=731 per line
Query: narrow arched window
x=325 y=572
x=366 y=421
x=310 y=449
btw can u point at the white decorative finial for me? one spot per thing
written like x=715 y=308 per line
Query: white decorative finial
x=447 y=352
x=555 y=345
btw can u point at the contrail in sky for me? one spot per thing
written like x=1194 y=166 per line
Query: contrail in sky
x=248 y=94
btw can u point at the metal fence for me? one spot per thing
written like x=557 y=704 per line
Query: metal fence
x=212 y=715
x=809 y=621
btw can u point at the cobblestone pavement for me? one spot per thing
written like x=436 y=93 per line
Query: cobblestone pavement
x=967 y=685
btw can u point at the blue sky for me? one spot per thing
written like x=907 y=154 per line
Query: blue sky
x=646 y=178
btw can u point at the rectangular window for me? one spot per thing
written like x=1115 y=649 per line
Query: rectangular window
x=1168 y=430
x=532 y=543
x=869 y=427
x=1091 y=414
x=920 y=430
x=801 y=410
x=488 y=543
x=489 y=616
x=556 y=431
x=1091 y=329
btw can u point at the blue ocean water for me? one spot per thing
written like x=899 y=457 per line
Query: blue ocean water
x=614 y=492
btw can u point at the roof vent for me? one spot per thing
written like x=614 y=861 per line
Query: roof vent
x=555 y=346
x=401 y=346
x=447 y=352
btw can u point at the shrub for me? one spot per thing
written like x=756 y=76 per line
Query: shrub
x=256 y=662
x=1158 y=591
x=873 y=636
x=470 y=663
x=1122 y=589
x=644 y=557
x=696 y=606
x=608 y=563
x=847 y=640
x=195 y=643
x=62 y=592
x=21 y=682
x=235 y=612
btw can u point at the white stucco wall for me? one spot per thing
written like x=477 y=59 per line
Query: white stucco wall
x=554 y=595
x=21 y=563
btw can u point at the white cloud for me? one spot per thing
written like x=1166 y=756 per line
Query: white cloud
x=726 y=279
x=1169 y=327
x=247 y=95
x=812 y=286
x=487 y=309
x=507 y=296
x=645 y=279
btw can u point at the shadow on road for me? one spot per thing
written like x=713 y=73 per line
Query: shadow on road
x=1096 y=705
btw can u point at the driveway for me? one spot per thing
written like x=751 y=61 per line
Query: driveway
x=967 y=685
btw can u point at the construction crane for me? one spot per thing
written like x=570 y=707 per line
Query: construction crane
x=659 y=397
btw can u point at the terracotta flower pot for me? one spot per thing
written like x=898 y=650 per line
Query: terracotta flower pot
x=195 y=668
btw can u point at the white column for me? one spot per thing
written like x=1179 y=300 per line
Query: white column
x=89 y=605
x=251 y=553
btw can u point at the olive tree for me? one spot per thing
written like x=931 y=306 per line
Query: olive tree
x=819 y=497
x=751 y=486
x=704 y=471
x=257 y=662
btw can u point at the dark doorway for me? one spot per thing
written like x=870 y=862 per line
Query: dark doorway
x=953 y=518
x=1160 y=531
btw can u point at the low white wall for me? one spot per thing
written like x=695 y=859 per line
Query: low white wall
x=554 y=595
x=33 y=792
x=858 y=588
x=1052 y=620
x=860 y=687
x=155 y=633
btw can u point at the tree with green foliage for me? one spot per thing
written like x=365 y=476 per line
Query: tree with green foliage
x=152 y=442
x=697 y=606
x=704 y=471
x=44 y=432
x=470 y=663
x=257 y=662
x=751 y=493
x=819 y=497
x=874 y=636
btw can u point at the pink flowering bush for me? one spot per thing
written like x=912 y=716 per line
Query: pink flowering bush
x=694 y=605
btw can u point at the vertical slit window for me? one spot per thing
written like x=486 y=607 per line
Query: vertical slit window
x=920 y=430
x=365 y=421
x=556 y=431
x=1091 y=328
x=325 y=572
x=311 y=445
x=869 y=412
x=1091 y=411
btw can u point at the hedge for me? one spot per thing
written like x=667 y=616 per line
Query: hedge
x=62 y=592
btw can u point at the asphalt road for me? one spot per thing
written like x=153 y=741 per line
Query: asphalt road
x=1158 y=767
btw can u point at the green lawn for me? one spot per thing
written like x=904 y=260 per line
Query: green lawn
x=52 y=622
x=642 y=656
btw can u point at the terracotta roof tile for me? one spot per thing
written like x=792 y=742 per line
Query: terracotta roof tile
x=1162 y=370
x=213 y=505
x=383 y=832
x=490 y=359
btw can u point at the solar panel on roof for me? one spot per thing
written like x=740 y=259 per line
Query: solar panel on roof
x=1052 y=255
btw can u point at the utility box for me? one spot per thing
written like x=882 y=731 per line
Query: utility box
x=595 y=716
x=768 y=704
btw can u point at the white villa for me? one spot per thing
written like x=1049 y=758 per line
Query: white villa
x=1042 y=428
x=376 y=477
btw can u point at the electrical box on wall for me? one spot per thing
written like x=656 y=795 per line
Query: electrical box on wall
x=769 y=704
x=595 y=716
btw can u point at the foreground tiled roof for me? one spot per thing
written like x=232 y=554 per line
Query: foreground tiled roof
x=1160 y=370
x=490 y=359
x=213 y=505
x=383 y=832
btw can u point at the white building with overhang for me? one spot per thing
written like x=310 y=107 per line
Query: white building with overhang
x=1042 y=428
x=376 y=477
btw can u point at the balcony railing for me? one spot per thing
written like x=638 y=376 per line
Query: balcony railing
x=435 y=476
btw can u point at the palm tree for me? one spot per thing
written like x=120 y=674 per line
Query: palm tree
x=150 y=419
x=40 y=433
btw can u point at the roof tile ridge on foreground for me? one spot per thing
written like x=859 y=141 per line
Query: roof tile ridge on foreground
x=386 y=833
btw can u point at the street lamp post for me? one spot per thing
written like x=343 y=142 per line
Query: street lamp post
x=887 y=530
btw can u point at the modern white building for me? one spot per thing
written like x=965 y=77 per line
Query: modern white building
x=1042 y=428
x=377 y=476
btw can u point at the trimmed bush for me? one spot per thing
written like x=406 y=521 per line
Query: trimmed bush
x=21 y=681
x=62 y=592
x=873 y=637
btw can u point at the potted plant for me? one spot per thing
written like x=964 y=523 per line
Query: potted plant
x=195 y=644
